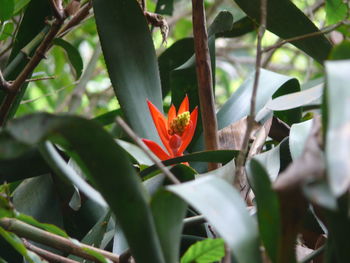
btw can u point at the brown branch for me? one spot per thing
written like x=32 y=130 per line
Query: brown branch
x=241 y=159
x=51 y=257
x=138 y=141
x=3 y=83
x=204 y=78
x=40 y=79
x=35 y=234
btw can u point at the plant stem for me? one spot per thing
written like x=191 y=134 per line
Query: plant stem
x=204 y=78
x=52 y=257
x=139 y=143
x=35 y=234
x=240 y=180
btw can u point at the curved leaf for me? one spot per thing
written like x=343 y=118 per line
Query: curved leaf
x=131 y=61
x=224 y=209
x=297 y=138
x=205 y=251
x=112 y=174
x=73 y=55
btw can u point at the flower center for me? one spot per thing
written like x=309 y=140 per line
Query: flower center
x=179 y=124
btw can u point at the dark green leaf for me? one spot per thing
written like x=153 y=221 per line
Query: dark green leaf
x=20 y=4
x=112 y=174
x=268 y=208
x=131 y=61
x=341 y=51
x=6 y=10
x=165 y=7
x=239 y=28
x=73 y=55
x=206 y=251
x=286 y=20
x=168 y=212
x=224 y=209
x=338 y=139
x=6 y=30
x=219 y=156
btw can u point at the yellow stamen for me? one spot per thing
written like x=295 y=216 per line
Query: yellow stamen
x=179 y=124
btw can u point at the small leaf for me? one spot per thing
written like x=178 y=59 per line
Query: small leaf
x=20 y=4
x=341 y=51
x=206 y=251
x=73 y=55
x=336 y=10
x=6 y=30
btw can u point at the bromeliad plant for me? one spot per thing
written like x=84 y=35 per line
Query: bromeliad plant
x=176 y=131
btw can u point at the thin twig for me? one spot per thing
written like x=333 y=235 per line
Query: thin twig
x=301 y=37
x=204 y=78
x=51 y=257
x=241 y=159
x=35 y=234
x=200 y=219
x=40 y=79
x=138 y=141
x=313 y=254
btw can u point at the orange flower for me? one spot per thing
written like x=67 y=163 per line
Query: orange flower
x=176 y=132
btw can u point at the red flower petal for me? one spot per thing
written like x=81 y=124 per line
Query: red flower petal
x=185 y=105
x=156 y=149
x=160 y=123
x=189 y=131
x=171 y=114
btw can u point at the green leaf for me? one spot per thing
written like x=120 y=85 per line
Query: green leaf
x=168 y=213
x=336 y=11
x=131 y=61
x=296 y=99
x=239 y=28
x=286 y=20
x=165 y=7
x=73 y=55
x=219 y=156
x=337 y=137
x=113 y=174
x=341 y=51
x=6 y=30
x=20 y=4
x=224 y=209
x=297 y=138
x=206 y=251
x=6 y=10
x=135 y=152
x=268 y=208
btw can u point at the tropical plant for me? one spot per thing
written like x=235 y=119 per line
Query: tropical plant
x=250 y=164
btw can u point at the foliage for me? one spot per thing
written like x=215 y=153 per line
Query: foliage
x=77 y=183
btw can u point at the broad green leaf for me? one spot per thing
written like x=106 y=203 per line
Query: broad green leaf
x=297 y=138
x=62 y=168
x=271 y=161
x=286 y=20
x=238 y=105
x=336 y=10
x=341 y=51
x=165 y=7
x=224 y=209
x=225 y=172
x=169 y=212
x=112 y=174
x=296 y=99
x=206 y=251
x=38 y=198
x=268 y=208
x=338 y=129
x=6 y=10
x=219 y=156
x=135 y=152
x=73 y=55
x=131 y=61
x=108 y=117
